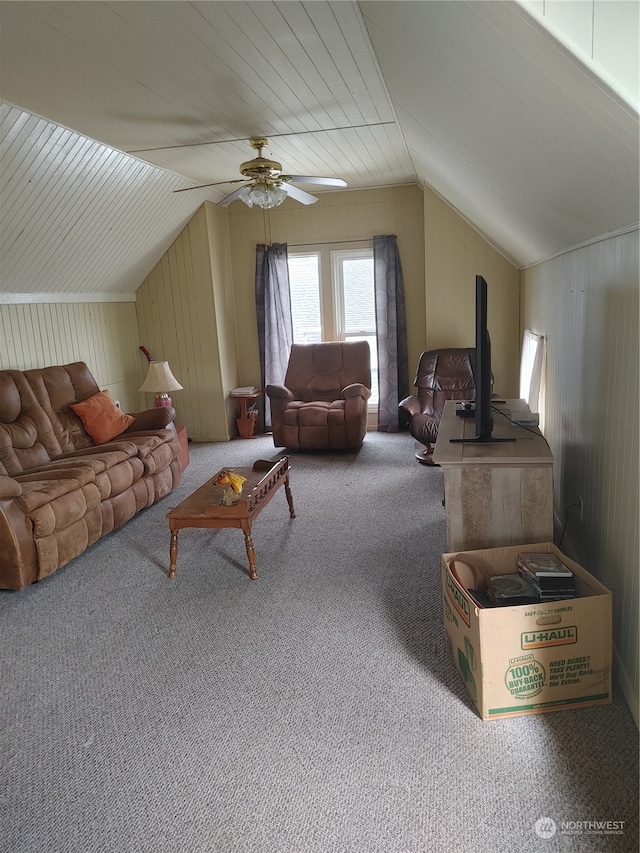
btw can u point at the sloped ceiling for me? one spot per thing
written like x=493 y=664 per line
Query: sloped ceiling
x=109 y=107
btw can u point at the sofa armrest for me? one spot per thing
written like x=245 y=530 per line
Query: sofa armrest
x=279 y=392
x=9 y=488
x=356 y=389
x=411 y=404
x=19 y=563
x=151 y=419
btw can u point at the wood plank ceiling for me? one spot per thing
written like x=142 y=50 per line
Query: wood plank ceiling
x=109 y=107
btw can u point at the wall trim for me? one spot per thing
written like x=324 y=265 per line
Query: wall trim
x=31 y=298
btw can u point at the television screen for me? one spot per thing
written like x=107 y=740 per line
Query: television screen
x=484 y=419
x=483 y=376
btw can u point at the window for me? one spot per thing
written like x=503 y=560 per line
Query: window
x=532 y=372
x=333 y=299
x=304 y=283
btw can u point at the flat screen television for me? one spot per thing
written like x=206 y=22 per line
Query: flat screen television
x=483 y=376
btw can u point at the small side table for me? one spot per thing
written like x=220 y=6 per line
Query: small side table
x=246 y=422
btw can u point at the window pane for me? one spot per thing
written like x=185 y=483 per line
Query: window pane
x=359 y=302
x=304 y=281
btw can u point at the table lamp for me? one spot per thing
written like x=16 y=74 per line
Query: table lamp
x=159 y=381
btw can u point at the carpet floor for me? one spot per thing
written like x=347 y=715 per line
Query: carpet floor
x=314 y=710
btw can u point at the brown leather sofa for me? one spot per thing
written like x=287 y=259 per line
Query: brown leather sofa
x=59 y=490
x=323 y=403
x=442 y=374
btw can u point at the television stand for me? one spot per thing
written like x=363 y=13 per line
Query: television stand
x=496 y=493
x=480 y=439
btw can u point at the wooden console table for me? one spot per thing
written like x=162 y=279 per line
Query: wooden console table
x=495 y=494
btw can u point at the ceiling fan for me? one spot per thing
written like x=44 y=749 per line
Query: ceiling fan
x=264 y=183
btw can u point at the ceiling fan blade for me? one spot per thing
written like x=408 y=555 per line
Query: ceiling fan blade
x=202 y=186
x=226 y=201
x=307 y=179
x=298 y=194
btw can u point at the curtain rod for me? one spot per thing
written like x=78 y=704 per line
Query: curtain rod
x=330 y=242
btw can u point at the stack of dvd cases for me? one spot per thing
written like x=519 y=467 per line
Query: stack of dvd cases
x=547 y=575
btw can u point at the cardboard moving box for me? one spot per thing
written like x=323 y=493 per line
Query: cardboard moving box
x=529 y=659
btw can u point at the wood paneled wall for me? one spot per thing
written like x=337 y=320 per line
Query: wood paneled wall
x=102 y=334
x=185 y=311
x=586 y=303
x=454 y=254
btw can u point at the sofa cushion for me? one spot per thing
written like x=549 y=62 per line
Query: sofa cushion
x=101 y=418
x=27 y=438
x=37 y=493
x=119 y=478
x=64 y=511
x=101 y=457
x=156 y=451
x=56 y=388
x=61 y=546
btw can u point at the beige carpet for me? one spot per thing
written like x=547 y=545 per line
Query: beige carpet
x=314 y=710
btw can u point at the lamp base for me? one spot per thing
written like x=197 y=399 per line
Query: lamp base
x=162 y=400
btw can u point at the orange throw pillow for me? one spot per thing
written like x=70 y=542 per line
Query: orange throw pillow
x=101 y=418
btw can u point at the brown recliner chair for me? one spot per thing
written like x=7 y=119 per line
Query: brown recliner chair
x=443 y=374
x=323 y=403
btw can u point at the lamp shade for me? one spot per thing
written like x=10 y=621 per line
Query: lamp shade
x=160 y=379
x=263 y=194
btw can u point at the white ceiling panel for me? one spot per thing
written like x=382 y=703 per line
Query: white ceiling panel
x=77 y=216
x=140 y=76
x=136 y=99
x=507 y=125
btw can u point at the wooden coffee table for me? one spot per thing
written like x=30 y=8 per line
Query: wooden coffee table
x=204 y=508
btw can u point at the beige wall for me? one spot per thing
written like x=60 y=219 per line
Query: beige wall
x=454 y=255
x=335 y=217
x=102 y=334
x=586 y=303
x=185 y=311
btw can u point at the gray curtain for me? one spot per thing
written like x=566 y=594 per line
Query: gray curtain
x=273 y=309
x=391 y=324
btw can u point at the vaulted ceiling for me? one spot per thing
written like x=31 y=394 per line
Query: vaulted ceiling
x=110 y=107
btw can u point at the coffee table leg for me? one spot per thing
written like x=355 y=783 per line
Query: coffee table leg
x=287 y=490
x=173 y=553
x=251 y=553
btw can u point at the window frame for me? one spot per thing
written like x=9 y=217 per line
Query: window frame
x=338 y=257
x=331 y=293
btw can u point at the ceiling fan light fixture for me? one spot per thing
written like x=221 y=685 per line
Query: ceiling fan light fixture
x=264 y=195
x=267 y=186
